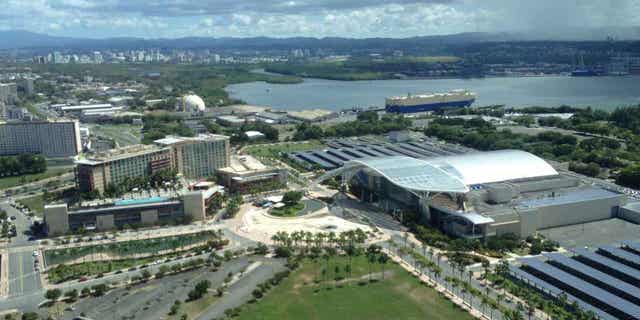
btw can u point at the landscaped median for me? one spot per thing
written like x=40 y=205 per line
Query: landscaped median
x=73 y=263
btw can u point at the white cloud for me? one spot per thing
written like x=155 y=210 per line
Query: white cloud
x=280 y=18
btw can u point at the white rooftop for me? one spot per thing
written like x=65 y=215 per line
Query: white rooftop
x=494 y=166
x=457 y=173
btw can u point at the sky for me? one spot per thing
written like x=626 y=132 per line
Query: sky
x=315 y=18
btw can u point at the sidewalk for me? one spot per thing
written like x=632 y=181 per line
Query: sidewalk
x=4 y=275
x=437 y=286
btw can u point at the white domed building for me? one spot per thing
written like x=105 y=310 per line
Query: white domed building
x=192 y=103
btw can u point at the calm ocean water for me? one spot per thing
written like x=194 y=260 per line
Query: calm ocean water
x=597 y=92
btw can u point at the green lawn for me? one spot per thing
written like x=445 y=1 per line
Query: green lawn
x=399 y=296
x=287 y=211
x=10 y=182
x=273 y=151
x=35 y=204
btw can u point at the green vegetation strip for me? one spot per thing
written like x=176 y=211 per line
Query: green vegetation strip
x=128 y=248
x=398 y=296
x=10 y=182
x=35 y=204
x=275 y=150
x=64 y=273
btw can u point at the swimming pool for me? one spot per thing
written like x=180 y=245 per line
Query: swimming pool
x=127 y=202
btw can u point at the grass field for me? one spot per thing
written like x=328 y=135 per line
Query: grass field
x=273 y=151
x=287 y=211
x=35 y=204
x=10 y=182
x=399 y=296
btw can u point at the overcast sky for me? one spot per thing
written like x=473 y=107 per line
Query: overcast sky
x=317 y=18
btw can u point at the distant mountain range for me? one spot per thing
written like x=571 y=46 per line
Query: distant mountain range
x=20 y=39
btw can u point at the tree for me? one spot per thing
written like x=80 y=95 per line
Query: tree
x=30 y=316
x=53 y=294
x=630 y=177
x=372 y=256
x=199 y=290
x=175 y=307
x=145 y=274
x=71 y=294
x=382 y=260
x=261 y=249
x=292 y=198
x=99 y=290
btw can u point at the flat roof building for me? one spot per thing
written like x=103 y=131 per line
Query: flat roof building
x=114 y=167
x=8 y=93
x=50 y=139
x=199 y=156
x=246 y=174
x=59 y=219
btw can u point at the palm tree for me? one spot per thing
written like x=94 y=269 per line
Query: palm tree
x=531 y=310
x=326 y=263
x=308 y=238
x=331 y=238
x=483 y=303
x=372 y=253
x=383 y=259
x=485 y=266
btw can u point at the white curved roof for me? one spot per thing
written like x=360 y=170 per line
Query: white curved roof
x=453 y=173
x=193 y=102
x=412 y=174
x=494 y=166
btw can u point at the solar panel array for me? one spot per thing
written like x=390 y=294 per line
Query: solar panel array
x=340 y=151
x=606 y=281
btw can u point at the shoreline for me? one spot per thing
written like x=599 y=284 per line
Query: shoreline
x=603 y=92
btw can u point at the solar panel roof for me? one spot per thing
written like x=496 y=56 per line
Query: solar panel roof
x=594 y=292
x=622 y=254
x=594 y=273
x=555 y=291
x=622 y=268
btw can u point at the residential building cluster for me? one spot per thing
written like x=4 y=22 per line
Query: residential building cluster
x=162 y=56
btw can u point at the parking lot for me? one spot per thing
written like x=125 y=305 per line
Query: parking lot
x=598 y=233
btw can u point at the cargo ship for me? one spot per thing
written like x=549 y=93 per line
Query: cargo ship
x=430 y=102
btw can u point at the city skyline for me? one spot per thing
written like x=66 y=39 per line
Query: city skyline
x=326 y=18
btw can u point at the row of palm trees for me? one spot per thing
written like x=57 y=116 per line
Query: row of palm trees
x=325 y=246
x=452 y=283
x=307 y=239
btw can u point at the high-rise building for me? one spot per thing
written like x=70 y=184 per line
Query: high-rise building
x=3 y=111
x=8 y=93
x=50 y=139
x=198 y=157
x=115 y=166
x=26 y=86
x=194 y=157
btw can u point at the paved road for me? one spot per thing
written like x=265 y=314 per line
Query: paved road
x=22 y=277
x=23 y=280
x=240 y=292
